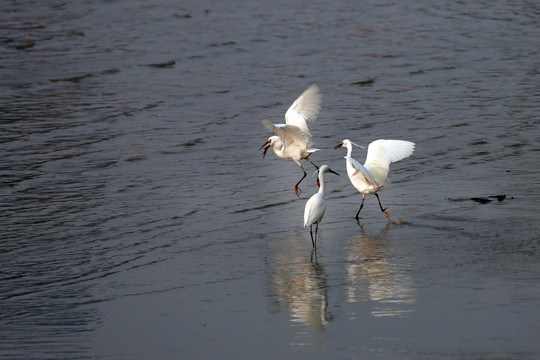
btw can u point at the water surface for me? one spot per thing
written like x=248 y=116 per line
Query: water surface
x=139 y=221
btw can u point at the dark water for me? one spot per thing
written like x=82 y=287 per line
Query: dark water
x=138 y=220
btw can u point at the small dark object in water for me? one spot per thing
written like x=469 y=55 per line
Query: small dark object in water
x=368 y=81
x=481 y=200
x=485 y=200
x=194 y=142
x=168 y=64
x=74 y=79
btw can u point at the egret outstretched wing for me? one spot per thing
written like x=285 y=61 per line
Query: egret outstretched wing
x=291 y=135
x=360 y=168
x=381 y=153
x=304 y=109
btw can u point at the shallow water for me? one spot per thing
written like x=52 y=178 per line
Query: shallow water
x=139 y=221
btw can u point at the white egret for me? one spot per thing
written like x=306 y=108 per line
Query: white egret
x=315 y=206
x=293 y=140
x=373 y=175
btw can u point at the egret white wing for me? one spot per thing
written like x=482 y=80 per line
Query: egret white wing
x=314 y=210
x=304 y=109
x=290 y=135
x=360 y=168
x=381 y=153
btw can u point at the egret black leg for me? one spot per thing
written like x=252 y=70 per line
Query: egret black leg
x=296 y=188
x=311 y=233
x=312 y=163
x=382 y=209
x=316 y=233
x=361 y=206
x=377 y=195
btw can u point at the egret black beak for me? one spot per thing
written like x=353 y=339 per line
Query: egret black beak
x=266 y=145
x=338 y=146
x=332 y=171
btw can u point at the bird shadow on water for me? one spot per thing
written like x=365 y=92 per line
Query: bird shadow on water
x=375 y=277
x=298 y=283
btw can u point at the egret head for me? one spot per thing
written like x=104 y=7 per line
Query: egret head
x=347 y=143
x=324 y=169
x=271 y=140
x=341 y=144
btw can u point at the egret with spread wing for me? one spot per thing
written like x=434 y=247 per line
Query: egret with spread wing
x=292 y=139
x=316 y=206
x=373 y=175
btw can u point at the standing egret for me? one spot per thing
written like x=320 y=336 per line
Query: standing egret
x=373 y=175
x=293 y=140
x=315 y=206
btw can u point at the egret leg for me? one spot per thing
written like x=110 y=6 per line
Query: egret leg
x=383 y=210
x=296 y=188
x=361 y=206
x=311 y=233
x=312 y=163
x=316 y=232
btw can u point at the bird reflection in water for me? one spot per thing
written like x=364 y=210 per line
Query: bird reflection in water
x=300 y=282
x=371 y=276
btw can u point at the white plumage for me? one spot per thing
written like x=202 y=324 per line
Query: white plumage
x=373 y=175
x=316 y=206
x=293 y=139
x=304 y=109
